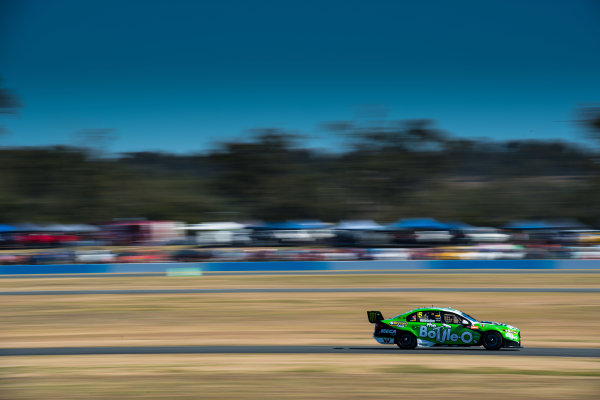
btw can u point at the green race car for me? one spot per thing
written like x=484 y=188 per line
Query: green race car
x=433 y=326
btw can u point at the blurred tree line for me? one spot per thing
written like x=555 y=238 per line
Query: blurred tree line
x=399 y=169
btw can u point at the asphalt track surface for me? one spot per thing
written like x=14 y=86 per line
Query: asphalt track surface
x=296 y=290
x=391 y=350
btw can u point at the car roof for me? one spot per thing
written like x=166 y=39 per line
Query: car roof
x=434 y=308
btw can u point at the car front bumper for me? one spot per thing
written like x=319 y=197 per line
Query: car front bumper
x=511 y=343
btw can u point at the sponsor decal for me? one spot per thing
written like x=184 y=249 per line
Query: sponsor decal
x=388 y=340
x=373 y=315
x=388 y=331
x=442 y=334
x=397 y=323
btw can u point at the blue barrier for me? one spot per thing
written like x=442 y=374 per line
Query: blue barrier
x=273 y=266
x=492 y=264
x=442 y=264
x=86 y=268
x=577 y=264
x=55 y=269
x=249 y=266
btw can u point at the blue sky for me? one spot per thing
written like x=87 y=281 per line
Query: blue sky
x=181 y=76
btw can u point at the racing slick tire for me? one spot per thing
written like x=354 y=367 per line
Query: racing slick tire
x=492 y=340
x=406 y=340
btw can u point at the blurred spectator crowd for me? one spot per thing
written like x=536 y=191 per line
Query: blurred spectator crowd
x=141 y=241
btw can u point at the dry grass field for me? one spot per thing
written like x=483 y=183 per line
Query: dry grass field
x=545 y=319
x=297 y=377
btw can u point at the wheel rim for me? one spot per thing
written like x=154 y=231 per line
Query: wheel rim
x=491 y=340
x=405 y=339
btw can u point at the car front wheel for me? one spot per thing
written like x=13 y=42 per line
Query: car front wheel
x=492 y=341
x=406 y=340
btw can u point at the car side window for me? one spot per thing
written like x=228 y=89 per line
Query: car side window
x=449 y=318
x=429 y=316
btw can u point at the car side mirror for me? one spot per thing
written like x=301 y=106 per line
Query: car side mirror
x=465 y=322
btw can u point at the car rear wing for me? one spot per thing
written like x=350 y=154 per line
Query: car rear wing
x=374 y=316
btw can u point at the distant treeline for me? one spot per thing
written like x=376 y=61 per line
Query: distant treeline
x=407 y=169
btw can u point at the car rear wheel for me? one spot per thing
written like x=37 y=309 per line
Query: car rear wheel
x=406 y=340
x=492 y=341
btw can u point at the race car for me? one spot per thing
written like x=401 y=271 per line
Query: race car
x=433 y=326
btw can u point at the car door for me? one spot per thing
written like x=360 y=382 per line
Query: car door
x=429 y=326
x=457 y=330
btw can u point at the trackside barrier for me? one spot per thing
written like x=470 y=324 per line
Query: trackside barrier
x=274 y=266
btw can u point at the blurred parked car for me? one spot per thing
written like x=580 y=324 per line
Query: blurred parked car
x=433 y=236
x=58 y=257
x=587 y=236
x=141 y=257
x=485 y=235
x=190 y=255
x=388 y=254
x=44 y=239
x=585 y=252
x=95 y=256
x=13 y=259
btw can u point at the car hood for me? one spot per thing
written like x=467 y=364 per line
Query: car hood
x=506 y=326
